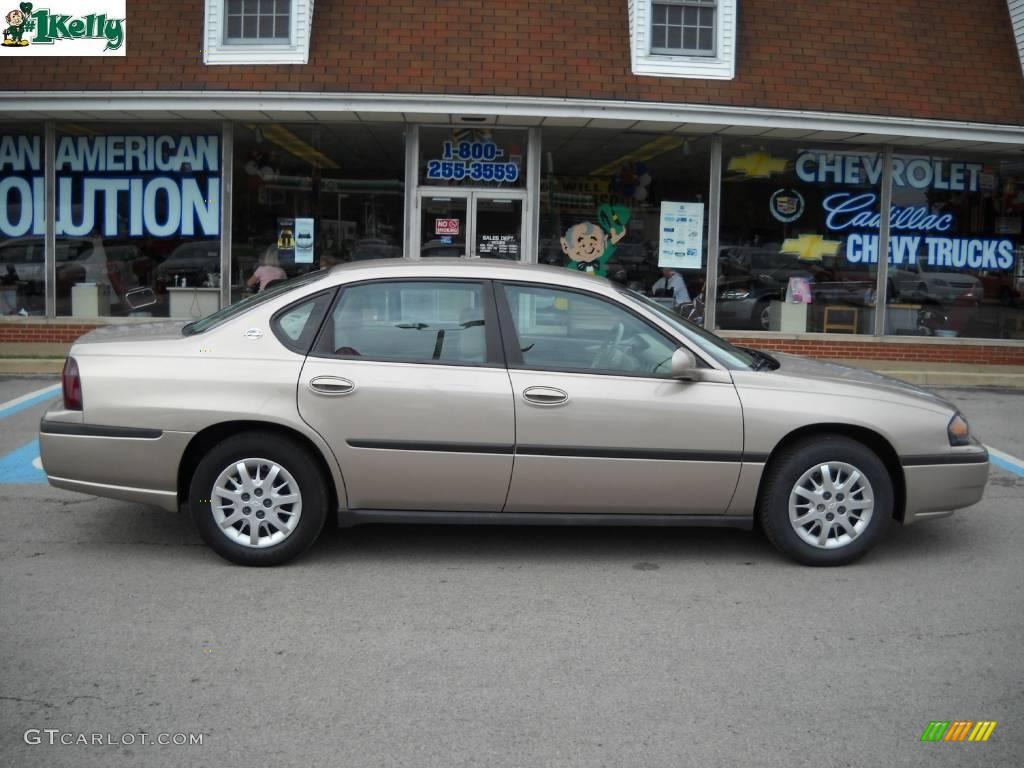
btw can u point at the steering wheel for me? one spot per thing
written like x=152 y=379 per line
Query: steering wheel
x=604 y=352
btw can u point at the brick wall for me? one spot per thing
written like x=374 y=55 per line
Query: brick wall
x=980 y=354
x=911 y=58
x=28 y=332
x=974 y=354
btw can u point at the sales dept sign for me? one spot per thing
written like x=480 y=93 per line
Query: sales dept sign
x=75 y=28
x=117 y=186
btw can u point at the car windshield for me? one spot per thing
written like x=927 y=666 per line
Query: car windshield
x=718 y=348
x=233 y=310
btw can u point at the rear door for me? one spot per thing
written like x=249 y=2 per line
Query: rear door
x=407 y=384
x=600 y=426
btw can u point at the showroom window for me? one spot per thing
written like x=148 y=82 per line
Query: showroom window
x=311 y=196
x=22 y=220
x=956 y=251
x=798 y=241
x=138 y=207
x=627 y=205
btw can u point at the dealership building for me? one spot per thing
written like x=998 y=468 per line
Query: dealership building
x=844 y=180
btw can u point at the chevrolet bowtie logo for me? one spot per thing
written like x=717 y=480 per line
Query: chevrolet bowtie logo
x=758 y=165
x=810 y=247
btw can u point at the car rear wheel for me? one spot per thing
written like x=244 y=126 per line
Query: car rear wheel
x=761 y=316
x=258 y=499
x=826 y=500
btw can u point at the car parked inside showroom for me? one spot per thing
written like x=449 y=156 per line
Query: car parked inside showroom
x=476 y=391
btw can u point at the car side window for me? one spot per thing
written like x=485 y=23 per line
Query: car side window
x=570 y=331
x=409 y=321
x=295 y=326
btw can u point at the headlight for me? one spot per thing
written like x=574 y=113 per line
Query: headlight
x=959 y=431
x=734 y=294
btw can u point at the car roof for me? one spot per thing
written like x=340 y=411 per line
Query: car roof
x=486 y=269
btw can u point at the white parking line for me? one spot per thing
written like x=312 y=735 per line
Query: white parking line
x=27 y=401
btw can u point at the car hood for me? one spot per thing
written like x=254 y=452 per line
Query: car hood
x=804 y=368
x=165 y=329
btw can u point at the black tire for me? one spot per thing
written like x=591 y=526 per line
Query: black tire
x=759 y=317
x=295 y=460
x=782 y=475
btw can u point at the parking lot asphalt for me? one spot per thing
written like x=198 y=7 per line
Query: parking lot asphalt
x=459 y=646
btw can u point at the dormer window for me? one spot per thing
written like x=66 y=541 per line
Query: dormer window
x=257 y=31
x=253 y=21
x=683 y=38
x=683 y=27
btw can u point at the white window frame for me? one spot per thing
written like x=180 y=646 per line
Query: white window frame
x=721 y=65
x=218 y=49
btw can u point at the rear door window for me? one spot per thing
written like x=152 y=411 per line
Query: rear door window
x=410 y=321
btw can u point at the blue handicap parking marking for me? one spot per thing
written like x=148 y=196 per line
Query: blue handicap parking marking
x=1005 y=461
x=22 y=465
x=24 y=402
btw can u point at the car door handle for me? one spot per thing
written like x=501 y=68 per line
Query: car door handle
x=545 y=396
x=331 y=385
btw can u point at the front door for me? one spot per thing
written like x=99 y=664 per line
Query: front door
x=407 y=386
x=467 y=223
x=600 y=427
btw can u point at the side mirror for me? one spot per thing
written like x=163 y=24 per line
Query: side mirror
x=137 y=298
x=684 y=365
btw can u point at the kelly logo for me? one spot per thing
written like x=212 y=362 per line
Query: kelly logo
x=46 y=32
x=958 y=730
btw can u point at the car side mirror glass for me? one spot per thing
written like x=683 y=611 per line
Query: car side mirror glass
x=137 y=298
x=684 y=365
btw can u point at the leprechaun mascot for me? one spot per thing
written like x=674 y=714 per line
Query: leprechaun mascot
x=18 y=21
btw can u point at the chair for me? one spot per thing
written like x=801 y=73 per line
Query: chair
x=841 y=318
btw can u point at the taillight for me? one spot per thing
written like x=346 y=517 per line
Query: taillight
x=71 y=383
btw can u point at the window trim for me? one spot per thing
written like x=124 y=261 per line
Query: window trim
x=492 y=338
x=721 y=65
x=512 y=348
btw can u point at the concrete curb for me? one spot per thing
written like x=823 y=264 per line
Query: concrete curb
x=31 y=365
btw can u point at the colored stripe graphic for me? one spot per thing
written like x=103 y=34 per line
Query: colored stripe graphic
x=1005 y=461
x=958 y=730
x=12 y=407
x=982 y=730
x=935 y=731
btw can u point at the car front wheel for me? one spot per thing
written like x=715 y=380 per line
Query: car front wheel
x=258 y=499
x=826 y=500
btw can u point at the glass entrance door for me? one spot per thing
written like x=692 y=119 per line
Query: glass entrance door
x=443 y=224
x=471 y=224
x=498 y=227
